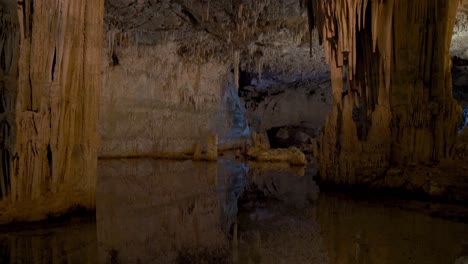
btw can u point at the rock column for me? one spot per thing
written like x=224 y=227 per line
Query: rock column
x=391 y=80
x=49 y=90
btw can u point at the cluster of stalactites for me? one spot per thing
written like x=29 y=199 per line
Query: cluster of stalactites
x=315 y=19
x=8 y=41
x=338 y=22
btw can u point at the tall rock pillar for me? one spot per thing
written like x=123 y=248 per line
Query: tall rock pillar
x=49 y=88
x=391 y=80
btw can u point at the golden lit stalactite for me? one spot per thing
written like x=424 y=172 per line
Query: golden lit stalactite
x=50 y=90
x=395 y=106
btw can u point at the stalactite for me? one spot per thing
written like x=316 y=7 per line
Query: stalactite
x=236 y=58
x=207 y=11
x=240 y=11
x=259 y=62
x=398 y=106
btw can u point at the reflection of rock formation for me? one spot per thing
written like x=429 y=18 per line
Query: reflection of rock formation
x=286 y=184
x=50 y=79
x=278 y=235
x=367 y=232
x=72 y=243
x=158 y=211
x=163 y=211
x=275 y=225
x=154 y=211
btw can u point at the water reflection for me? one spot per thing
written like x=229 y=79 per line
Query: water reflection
x=72 y=243
x=363 y=231
x=154 y=211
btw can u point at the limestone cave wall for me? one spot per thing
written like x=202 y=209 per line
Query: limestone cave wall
x=171 y=71
x=155 y=103
x=50 y=81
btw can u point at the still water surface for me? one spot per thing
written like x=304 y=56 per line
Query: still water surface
x=154 y=211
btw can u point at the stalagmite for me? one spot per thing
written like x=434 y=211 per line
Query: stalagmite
x=49 y=92
x=398 y=107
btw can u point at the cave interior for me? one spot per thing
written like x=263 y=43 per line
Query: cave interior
x=234 y=131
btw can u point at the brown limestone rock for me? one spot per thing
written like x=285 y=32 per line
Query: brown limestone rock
x=261 y=151
x=395 y=104
x=50 y=81
x=212 y=147
x=461 y=148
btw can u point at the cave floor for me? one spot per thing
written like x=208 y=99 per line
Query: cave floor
x=157 y=211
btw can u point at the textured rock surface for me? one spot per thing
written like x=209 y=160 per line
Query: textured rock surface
x=170 y=78
x=172 y=68
x=396 y=104
x=261 y=151
x=50 y=80
x=302 y=103
x=154 y=103
x=460 y=34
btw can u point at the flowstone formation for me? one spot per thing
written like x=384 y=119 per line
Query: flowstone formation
x=391 y=81
x=172 y=68
x=50 y=81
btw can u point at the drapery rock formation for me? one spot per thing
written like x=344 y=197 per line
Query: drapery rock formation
x=392 y=90
x=50 y=79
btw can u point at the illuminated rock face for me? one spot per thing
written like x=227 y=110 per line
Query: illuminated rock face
x=395 y=107
x=156 y=104
x=50 y=80
x=171 y=71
